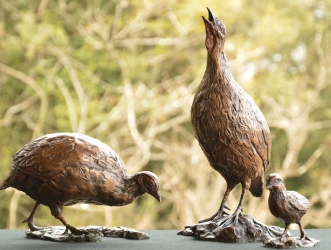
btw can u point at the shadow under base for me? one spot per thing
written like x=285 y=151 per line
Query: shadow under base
x=290 y=242
x=246 y=230
x=95 y=233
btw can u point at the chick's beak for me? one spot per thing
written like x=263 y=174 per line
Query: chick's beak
x=269 y=187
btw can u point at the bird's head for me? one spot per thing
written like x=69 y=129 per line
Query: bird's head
x=275 y=182
x=149 y=183
x=215 y=33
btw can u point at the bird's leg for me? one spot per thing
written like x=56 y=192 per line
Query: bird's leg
x=219 y=213
x=233 y=219
x=29 y=220
x=303 y=234
x=282 y=238
x=57 y=213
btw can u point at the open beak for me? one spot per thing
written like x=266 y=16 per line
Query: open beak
x=208 y=24
x=211 y=16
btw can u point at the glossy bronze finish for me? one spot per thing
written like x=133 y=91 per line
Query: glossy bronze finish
x=288 y=206
x=63 y=169
x=229 y=126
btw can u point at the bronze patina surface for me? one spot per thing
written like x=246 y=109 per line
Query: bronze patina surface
x=63 y=169
x=289 y=207
x=231 y=131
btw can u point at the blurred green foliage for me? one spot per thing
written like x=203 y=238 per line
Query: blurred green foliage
x=125 y=72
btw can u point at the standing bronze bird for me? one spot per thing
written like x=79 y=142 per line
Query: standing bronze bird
x=288 y=206
x=63 y=169
x=230 y=128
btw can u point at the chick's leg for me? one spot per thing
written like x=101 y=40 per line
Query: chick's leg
x=282 y=238
x=303 y=233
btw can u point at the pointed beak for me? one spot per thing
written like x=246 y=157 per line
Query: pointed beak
x=205 y=20
x=269 y=187
x=211 y=19
x=211 y=16
x=208 y=24
x=157 y=196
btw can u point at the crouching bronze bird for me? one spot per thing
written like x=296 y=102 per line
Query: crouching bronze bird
x=288 y=206
x=63 y=169
x=228 y=125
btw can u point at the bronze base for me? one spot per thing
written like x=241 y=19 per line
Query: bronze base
x=57 y=233
x=290 y=242
x=246 y=230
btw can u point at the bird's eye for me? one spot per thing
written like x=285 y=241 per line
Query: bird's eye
x=150 y=184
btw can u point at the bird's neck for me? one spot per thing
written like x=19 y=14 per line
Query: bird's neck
x=218 y=64
x=132 y=188
x=218 y=61
x=279 y=192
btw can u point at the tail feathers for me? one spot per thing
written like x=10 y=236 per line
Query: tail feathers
x=9 y=178
x=3 y=185
x=256 y=187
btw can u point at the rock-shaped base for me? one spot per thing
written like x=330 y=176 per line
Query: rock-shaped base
x=57 y=233
x=290 y=242
x=246 y=230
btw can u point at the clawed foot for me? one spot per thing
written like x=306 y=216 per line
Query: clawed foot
x=304 y=237
x=31 y=225
x=229 y=220
x=75 y=231
x=216 y=217
x=283 y=237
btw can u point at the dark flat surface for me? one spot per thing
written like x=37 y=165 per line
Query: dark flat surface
x=159 y=240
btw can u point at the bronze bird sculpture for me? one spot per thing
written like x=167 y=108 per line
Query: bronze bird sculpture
x=228 y=125
x=63 y=169
x=288 y=206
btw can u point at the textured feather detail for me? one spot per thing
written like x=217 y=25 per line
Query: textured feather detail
x=70 y=167
x=297 y=201
x=229 y=126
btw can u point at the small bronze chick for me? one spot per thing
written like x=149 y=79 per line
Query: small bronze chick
x=287 y=206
